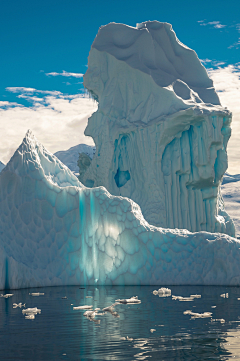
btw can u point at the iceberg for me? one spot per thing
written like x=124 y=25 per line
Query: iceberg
x=55 y=231
x=160 y=130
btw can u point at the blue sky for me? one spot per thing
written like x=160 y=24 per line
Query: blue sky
x=42 y=37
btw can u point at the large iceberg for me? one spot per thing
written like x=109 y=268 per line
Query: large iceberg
x=55 y=231
x=160 y=130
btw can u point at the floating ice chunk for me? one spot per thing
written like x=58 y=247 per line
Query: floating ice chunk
x=195 y=296
x=213 y=306
x=34 y=310
x=152 y=330
x=224 y=295
x=197 y=315
x=162 y=292
x=91 y=314
x=238 y=299
x=7 y=295
x=88 y=296
x=218 y=320
x=129 y=338
x=123 y=338
x=36 y=294
x=180 y=298
x=132 y=300
x=20 y=305
x=85 y=307
x=31 y=316
x=30 y=313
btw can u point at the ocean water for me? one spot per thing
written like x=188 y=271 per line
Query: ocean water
x=61 y=333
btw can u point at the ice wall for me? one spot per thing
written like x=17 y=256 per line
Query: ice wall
x=55 y=231
x=160 y=131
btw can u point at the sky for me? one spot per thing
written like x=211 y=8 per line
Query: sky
x=44 y=49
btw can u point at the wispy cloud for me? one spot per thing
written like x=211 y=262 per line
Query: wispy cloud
x=57 y=120
x=227 y=83
x=212 y=63
x=65 y=73
x=235 y=45
x=214 y=24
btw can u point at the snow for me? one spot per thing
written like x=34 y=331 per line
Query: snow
x=55 y=231
x=160 y=131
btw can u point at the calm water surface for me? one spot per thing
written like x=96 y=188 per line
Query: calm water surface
x=61 y=333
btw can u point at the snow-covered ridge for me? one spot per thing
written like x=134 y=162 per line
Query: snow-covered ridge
x=160 y=131
x=54 y=231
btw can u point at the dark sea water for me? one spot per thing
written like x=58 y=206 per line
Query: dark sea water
x=61 y=333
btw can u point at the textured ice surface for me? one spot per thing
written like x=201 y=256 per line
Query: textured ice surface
x=55 y=231
x=160 y=131
x=1 y=166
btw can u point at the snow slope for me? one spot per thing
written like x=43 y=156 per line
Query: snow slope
x=160 y=131
x=55 y=231
x=70 y=157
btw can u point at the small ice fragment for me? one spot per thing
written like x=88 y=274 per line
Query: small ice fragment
x=7 y=295
x=132 y=300
x=213 y=306
x=195 y=296
x=129 y=338
x=224 y=295
x=30 y=316
x=64 y=354
x=64 y=298
x=123 y=338
x=36 y=294
x=180 y=298
x=91 y=314
x=20 y=305
x=238 y=299
x=197 y=315
x=152 y=330
x=88 y=296
x=218 y=320
x=31 y=310
x=86 y=307
x=163 y=292
x=110 y=308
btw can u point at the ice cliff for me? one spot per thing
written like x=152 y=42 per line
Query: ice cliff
x=55 y=231
x=160 y=131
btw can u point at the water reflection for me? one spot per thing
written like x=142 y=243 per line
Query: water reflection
x=125 y=331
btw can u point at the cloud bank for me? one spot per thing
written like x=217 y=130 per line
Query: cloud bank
x=57 y=120
x=227 y=84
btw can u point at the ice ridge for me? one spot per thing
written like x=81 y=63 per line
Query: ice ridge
x=55 y=231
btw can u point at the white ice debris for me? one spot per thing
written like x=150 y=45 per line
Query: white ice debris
x=197 y=315
x=180 y=298
x=88 y=296
x=172 y=155
x=162 y=292
x=7 y=295
x=132 y=300
x=85 y=307
x=36 y=294
x=218 y=320
x=87 y=234
x=92 y=313
x=152 y=330
x=224 y=295
x=30 y=313
x=20 y=305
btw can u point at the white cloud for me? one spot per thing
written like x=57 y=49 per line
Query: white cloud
x=57 y=120
x=235 y=45
x=227 y=83
x=65 y=73
x=215 y=24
